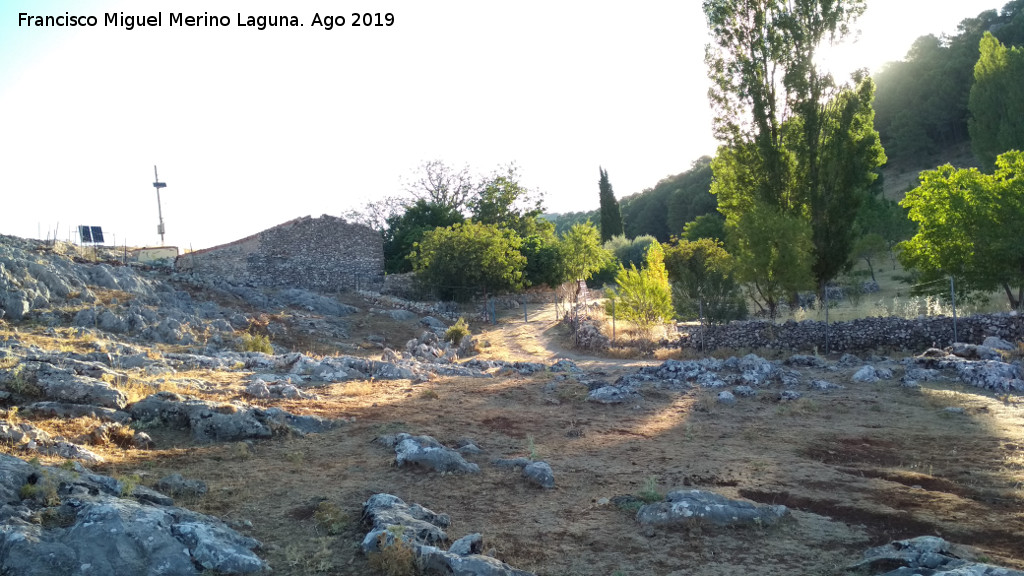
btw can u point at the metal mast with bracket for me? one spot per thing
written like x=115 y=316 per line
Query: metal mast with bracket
x=158 y=185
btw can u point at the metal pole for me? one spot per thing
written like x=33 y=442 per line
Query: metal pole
x=952 y=296
x=159 y=210
x=526 y=316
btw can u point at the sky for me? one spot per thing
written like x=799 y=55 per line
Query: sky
x=250 y=128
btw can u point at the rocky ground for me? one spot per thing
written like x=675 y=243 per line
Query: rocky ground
x=140 y=437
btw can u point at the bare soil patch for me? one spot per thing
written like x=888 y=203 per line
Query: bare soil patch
x=859 y=467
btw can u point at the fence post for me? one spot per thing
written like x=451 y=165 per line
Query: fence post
x=526 y=317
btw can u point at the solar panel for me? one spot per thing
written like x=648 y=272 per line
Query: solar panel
x=86 y=233
x=97 y=234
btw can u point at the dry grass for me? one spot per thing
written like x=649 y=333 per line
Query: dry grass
x=847 y=462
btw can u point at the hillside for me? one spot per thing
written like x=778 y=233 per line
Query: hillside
x=116 y=379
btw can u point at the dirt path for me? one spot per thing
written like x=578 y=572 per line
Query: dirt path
x=542 y=339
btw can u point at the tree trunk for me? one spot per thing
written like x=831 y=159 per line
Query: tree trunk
x=1014 y=300
x=871 y=268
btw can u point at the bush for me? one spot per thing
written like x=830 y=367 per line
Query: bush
x=256 y=343
x=643 y=297
x=456 y=332
x=396 y=558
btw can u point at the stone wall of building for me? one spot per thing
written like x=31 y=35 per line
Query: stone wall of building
x=867 y=334
x=326 y=254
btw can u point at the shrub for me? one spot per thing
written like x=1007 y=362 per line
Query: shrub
x=456 y=332
x=331 y=518
x=256 y=343
x=396 y=558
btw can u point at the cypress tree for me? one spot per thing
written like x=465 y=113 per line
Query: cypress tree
x=611 y=216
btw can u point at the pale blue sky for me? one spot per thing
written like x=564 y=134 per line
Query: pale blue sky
x=253 y=128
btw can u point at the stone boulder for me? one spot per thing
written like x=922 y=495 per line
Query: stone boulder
x=682 y=507
x=974 y=352
x=925 y=555
x=614 y=395
x=89 y=528
x=392 y=520
x=223 y=422
x=66 y=386
x=428 y=453
x=539 y=474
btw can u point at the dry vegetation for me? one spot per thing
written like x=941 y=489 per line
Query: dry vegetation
x=860 y=466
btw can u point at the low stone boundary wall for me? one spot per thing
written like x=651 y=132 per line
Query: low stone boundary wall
x=867 y=334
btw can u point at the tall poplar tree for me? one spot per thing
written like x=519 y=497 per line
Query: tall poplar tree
x=611 y=215
x=996 y=122
x=796 y=142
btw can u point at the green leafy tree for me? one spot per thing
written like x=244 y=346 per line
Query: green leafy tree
x=795 y=141
x=611 y=215
x=467 y=257
x=582 y=253
x=643 y=297
x=705 y=226
x=773 y=255
x=702 y=275
x=662 y=211
x=630 y=251
x=886 y=218
x=997 y=101
x=544 y=263
x=841 y=177
x=405 y=229
x=503 y=201
x=869 y=248
x=969 y=227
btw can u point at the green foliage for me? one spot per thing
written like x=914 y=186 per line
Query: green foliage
x=850 y=152
x=969 y=227
x=663 y=210
x=643 y=297
x=456 y=332
x=630 y=252
x=922 y=101
x=404 y=230
x=462 y=258
x=503 y=201
x=565 y=221
x=582 y=254
x=543 y=253
x=798 y=145
x=611 y=215
x=650 y=493
x=773 y=255
x=255 y=343
x=886 y=218
x=332 y=519
x=702 y=276
x=869 y=248
x=128 y=484
x=997 y=101
x=711 y=225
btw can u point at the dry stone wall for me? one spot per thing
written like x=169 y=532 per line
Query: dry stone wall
x=867 y=334
x=325 y=254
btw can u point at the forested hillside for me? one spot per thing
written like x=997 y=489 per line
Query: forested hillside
x=921 y=114
x=921 y=102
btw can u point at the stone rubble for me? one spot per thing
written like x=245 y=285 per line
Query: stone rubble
x=87 y=527
x=392 y=520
